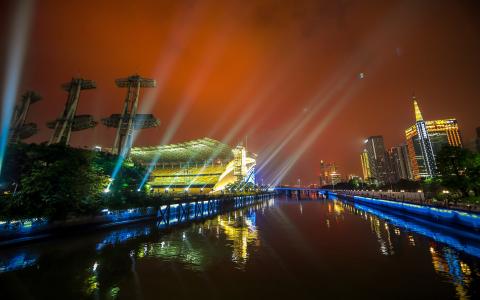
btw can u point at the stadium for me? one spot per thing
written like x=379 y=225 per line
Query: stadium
x=199 y=166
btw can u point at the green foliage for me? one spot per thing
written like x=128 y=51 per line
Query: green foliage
x=54 y=182
x=459 y=170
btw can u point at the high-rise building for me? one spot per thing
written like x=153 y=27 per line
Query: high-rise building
x=328 y=173
x=398 y=164
x=367 y=174
x=426 y=138
x=406 y=161
x=377 y=158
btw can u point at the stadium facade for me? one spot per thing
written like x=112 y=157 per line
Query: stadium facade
x=199 y=166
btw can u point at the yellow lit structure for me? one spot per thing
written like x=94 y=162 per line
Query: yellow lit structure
x=198 y=166
x=328 y=173
x=365 y=165
x=438 y=132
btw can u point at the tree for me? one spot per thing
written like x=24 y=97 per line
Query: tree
x=55 y=182
x=452 y=166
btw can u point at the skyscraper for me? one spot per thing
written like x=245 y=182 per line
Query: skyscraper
x=426 y=138
x=328 y=173
x=367 y=174
x=399 y=165
x=375 y=149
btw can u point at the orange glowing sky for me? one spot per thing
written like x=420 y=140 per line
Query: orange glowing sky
x=262 y=66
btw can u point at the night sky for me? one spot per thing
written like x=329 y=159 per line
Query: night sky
x=284 y=73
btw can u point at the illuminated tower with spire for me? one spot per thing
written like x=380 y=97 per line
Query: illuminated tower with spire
x=424 y=141
x=426 y=138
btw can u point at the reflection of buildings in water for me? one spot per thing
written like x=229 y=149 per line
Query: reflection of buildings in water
x=17 y=261
x=448 y=265
x=382 y=233
x=179 y=250
x=188 y=247
x=445 y=261
x=336 y=210
x=242 y=232
x=337 y=207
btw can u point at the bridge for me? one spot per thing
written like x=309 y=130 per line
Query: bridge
x=300 y=192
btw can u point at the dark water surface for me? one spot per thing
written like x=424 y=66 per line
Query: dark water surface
x=276 y=249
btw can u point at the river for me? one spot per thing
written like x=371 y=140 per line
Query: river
x=275 y=249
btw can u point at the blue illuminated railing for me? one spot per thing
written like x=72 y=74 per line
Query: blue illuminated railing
x=467 y=219
x=30 y=229
x=460 y=240
x=168 y=215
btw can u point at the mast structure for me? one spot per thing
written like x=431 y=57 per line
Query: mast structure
x=129 y=121
x=19 y=129
x=68 y=121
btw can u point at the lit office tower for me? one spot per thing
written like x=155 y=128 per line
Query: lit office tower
x=365 y=165
x=376 y=158
x=399 y=165
x=328 y=173
x=426 y=138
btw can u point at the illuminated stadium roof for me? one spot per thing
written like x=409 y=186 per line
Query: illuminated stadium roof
x=192 y=151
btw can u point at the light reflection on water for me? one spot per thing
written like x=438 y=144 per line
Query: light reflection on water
x=250 y=241
x=187 y=247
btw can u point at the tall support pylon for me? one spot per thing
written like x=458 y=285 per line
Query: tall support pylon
x=68 y=121
x=19 y=130
x=129 y=120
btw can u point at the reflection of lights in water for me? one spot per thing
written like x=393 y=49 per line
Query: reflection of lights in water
x=450 y=267
x=337 y=207
x=452 y=237
x=91 y=282
x=19 y=261
x=177 y=251
x=241 y=232
x=375 y=225
x=121 y=236
x=328 y=223
x=445 y=262
x=95 y=266
x=411 y=240
x=114 y=292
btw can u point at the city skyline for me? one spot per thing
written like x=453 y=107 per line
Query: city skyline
x=215 y=72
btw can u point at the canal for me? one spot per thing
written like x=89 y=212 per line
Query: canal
x=277 y=248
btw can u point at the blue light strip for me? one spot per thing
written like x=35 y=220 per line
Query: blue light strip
x=449 y=216
x=448 y=236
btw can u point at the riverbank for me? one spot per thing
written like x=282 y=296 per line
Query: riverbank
x=465 y=219
x=172 y=211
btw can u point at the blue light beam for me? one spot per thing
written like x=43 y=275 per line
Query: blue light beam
x=19 y=33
